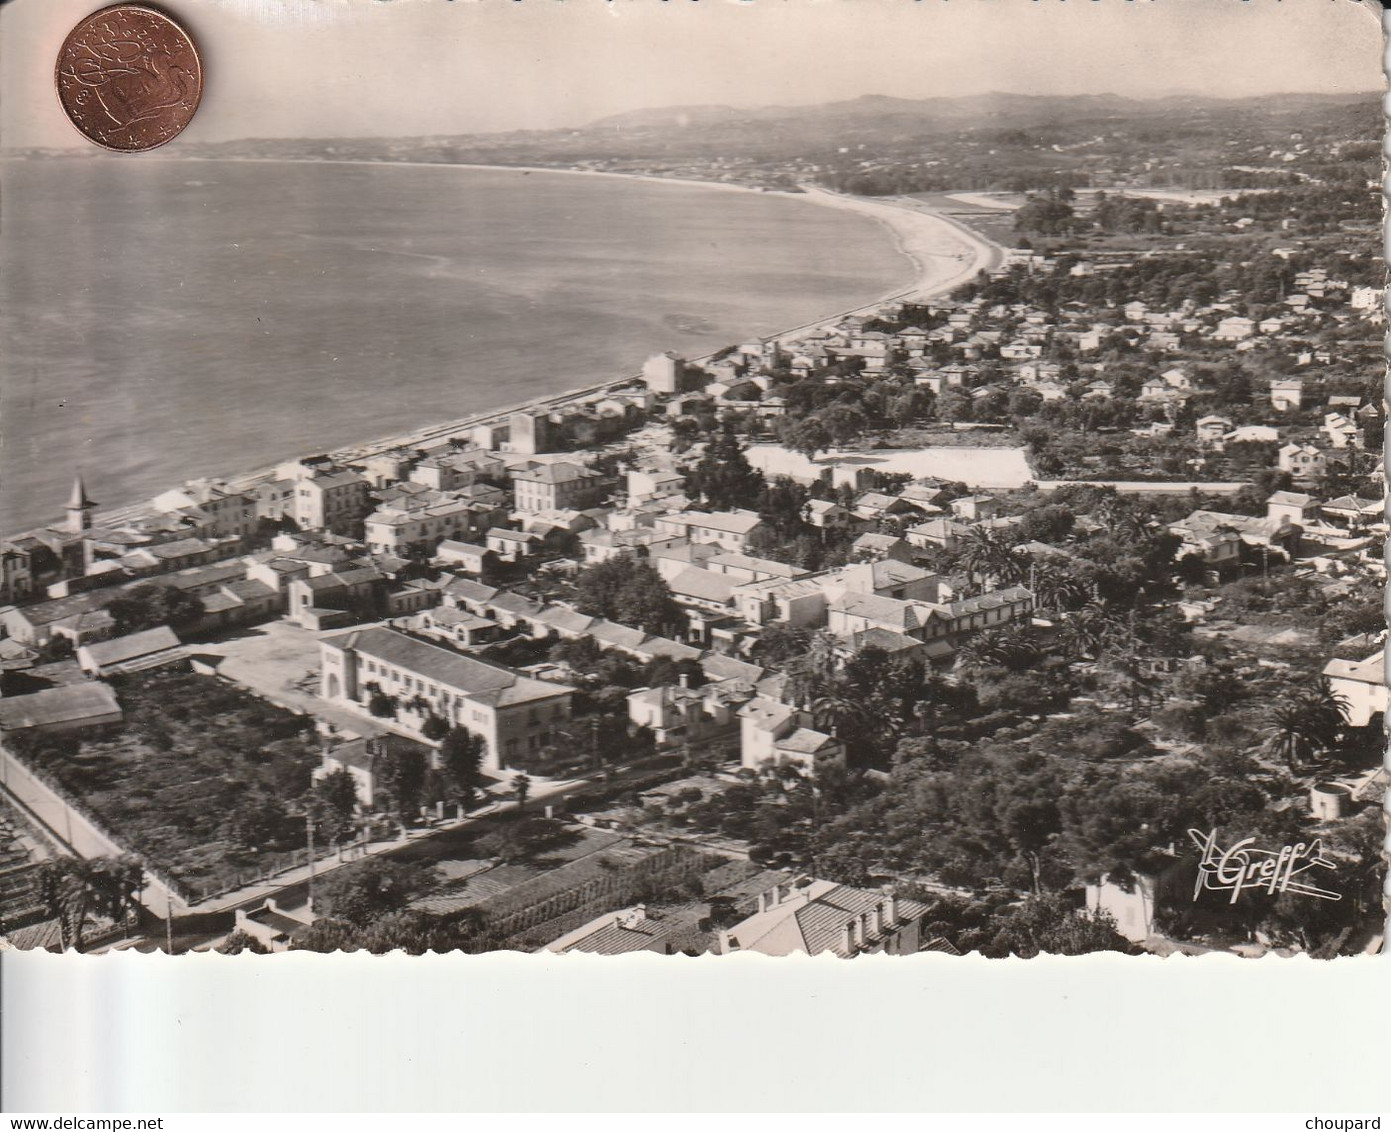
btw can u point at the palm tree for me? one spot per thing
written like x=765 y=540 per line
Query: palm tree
x=1013 y=566
x=1017 y=647
x=1089 y=631
x=984 y=554
x=1056 y=589
x=1328 y=714
x=837 y=708
x=814 y=673
x=1288 y=740
x=1122 y=517
x=974 y=654
x=72 y=888
x=1308 y=723
x=1011 y=646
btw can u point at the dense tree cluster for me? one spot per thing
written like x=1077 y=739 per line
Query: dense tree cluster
x=361 y=892
x=722 y=479
x=152 y=605
x=1047 y=213
x=629 y=591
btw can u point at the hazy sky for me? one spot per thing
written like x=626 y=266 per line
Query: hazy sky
x=344 y=67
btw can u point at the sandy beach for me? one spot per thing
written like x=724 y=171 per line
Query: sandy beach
x=945 y=252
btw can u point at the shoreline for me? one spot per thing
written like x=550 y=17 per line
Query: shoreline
x=916 y=233
x=920 y=235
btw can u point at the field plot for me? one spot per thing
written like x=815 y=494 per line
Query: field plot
x=200 y=779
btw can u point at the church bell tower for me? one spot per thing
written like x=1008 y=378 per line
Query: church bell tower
x=79 y=508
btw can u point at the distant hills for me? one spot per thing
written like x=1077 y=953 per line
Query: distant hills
x=975 y=108
x=879 y=113
x=885 y=125
x=778 y=131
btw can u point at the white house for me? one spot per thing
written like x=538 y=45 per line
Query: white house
x=773 y=733
x=469 y=557
x=511 y=545
x=395 y=530
x=653 y=484
x=1303 y=461
x=1234 y=329
x=1255 y=434
x=1290 y=507
x=553 y=487
x=729 y=529
x=1341 y=432
x=214 y=509
x=1362 y=684
x=1211 y=429
x=1286 y=394
x=674 y=712
x=1366 y=298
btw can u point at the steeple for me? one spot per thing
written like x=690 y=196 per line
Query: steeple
x=79 y=507
x=78 y=500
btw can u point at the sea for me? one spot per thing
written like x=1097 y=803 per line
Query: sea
x=162 y=319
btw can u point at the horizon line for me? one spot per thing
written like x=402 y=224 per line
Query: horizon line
x=677 y=107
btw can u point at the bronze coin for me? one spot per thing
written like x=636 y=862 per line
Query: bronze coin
x=129 y=78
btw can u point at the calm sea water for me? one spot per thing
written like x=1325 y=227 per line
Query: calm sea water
x=163 y=319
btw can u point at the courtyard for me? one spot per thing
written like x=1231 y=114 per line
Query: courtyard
x=280 y=662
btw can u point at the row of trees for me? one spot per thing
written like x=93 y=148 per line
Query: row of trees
x=1197 y=275
x=330 y=812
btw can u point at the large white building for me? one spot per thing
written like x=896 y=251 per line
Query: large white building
x=395 y=530
x=772 y=733
x=729 y=529
x=662 y=373
x=1367 y=298
x=513 y=714
x=553 y=487
x=450 y=471
x=335 y=500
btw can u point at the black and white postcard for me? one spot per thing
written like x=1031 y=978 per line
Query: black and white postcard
x=638 y=478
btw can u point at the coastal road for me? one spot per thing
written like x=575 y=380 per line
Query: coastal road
x=1145 y=487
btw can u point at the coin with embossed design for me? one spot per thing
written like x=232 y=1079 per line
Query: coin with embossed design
x=129 y=78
